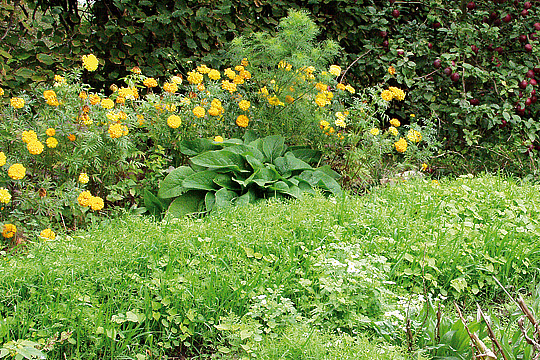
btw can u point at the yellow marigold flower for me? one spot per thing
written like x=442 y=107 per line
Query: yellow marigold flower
x=2 y=158
x=59 y=78
x=85 y=119
x=94 y=99
x=335 y=70
x=350 y=89
x=72 y=137
x=435 y=182
x=47 y=234
x=170 y=87
x=83 y=95
x=214 y=111
x=51 y=142
x=122 y=115
x=323 y=124
x=274 y=100
x=424 y=166
x=35 y=147
x=96 y=203
x=150 y=82
x=330 y=131
x=17 y=171
x=310 y=69
x=387 y=95
x=244 y=105
x=49 y=94
x=116 y=130
x=218 y=138
x=321 y=87
x=263 y=91
x=195 y=78
x=227 y=85
x=50 y=132
x=239 y=68
x=242 y=121
x=176 y=79
x=341 y=123
x=174 y=121
x=199 y=111
x=374 y=131
x=84 y=198
x=120 y=100
x=214 y=74
x=113 y=87
x=401 y=145
x=9 y=231
x=201 y=87
x=53 y=101
x=392 y=70
x=289 y=99
x=28 y=136
x=244 y=62
x=107 y=104
x=239 y=80
x=397 y=93
x=245 y=74
x=1 y=92
x=17 y=102
x=127 y=93
x=83 y=178
x=395 y=122
x=5 y=196
x=341 y=86
x=203 y=69
x=412 y=115
x=230 y=73
x=136 y=70
x=90 y=62
x=414 y=136
x=392 y=130
x=216 y=103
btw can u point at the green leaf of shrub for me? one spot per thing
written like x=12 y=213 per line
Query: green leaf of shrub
x=172 y=186
x=197 y=146
x=224 y=197
x=289 y=163
x=220 y=159
x=204 y=180
x=187 y=203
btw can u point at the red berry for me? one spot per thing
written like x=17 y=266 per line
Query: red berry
x=537 y=26
x=430 y=45
x=523 y=84
x=385 y=43
x=437 y=63
x=522 y=38
x=533 y=82
x=499 y=50
x=524 y=12
x=528 y=47
x=447 y=71
x=474 y=102
x=383 y=34
x=507 y=18
x=474 y=48
x=395 y=13
x=527 y=5
x=530 y=74
x=454 y=77
x=528 y=102
x=471 y=5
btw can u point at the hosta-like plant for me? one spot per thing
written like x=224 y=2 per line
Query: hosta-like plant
x=240 y=172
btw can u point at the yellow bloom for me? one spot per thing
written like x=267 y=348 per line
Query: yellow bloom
x=199 y=111
x=136 y=70
x=387 y=95
x=17 y=102
x=17 y=171
x=214 y=74
x=239 y=80
x=83 y=178
x=203 y=69
x=170 y=87
x=5 y=196
x=395 y=122
x=194 y=77
x=414 y=136
x=335 y=70
x=392 y=70
x=244 y=105
x=201 y=87
x=9 y=231
x=323 y=124
x=50 y=132
x=47 y=234
x=174 y=121
x=96 y=203
x=227 y=85
x=214 y=111
x=242 y=121
x=321 y=87
x=107 y=104
x=350 y=89
x=397 y=93
x=94 y=99
x=401 y=145
x=113 y=87
x=424 y=166
x=1 y=92
x=218 y=138
x=341 y=86
x=263 y=91
x=230 y=73
x=28 y=136
x=84 y=198
x=120 y=100
x=289 y=99
x=35 y=147
x=244 y=62
x=340 y=119
x=90 y=62
x=412 y=115
x=72 y=137
x=117 y=130
x=51 y=142
x=2 y=158
x=216 y=103
x=59 y=79
x=392 y=130
x=150 y=82
x=52 y=101
x=374 y=131
x=177 y=80
x=47 y=94
x=274 y=100
x=83 y=95
x=245 y=74
x=435 y=182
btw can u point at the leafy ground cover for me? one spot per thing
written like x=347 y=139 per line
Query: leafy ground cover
x=314 y=278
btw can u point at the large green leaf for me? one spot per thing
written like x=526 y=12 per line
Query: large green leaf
x=220 y=159
x=203 y=180
x=248 y=198
x=188 y=203
x=285 y=165
x=321 y=179
x=255 y=163
x=272 y=147
x=225 y=197
x=246 y=150
x=154 y=205
x=209 y=200
x=306 y=154
x=197 y=146
x=172 y=186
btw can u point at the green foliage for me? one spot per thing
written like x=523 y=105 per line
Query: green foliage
x=241 y=173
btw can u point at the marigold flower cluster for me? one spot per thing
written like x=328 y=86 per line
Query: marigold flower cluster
x=174 y=121
x=244 y=105
x=392 y=130
x=344 y=87
x=2 y=158
x=35 y=147
x=1 y=92
x=401 y=145
x=374 y=131
x=392 y=70
x=199 y=111
x=50 y=97
x=117 y=130
x=47 y=234
x=341 y=117
x=16 y=171
x=150 y=82
x=9 y=231
x=17 y=102
x=216 y=108
x=335 y=70
x=326 y=128
x=107 y=104
x=5 y=196
x=229 y=86
x=51 y=142
x=218 y=138
x=86 y=199
x=242 y=121
x=195 y=77
x=83 y=178
x=324 y=98
x=395 y=122
x=170 y=87
x=90 y=62
x=414 y=136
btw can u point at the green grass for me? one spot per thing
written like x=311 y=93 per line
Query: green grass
x=255 y=280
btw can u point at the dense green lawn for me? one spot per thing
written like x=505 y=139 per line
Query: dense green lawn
x=281 y=280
